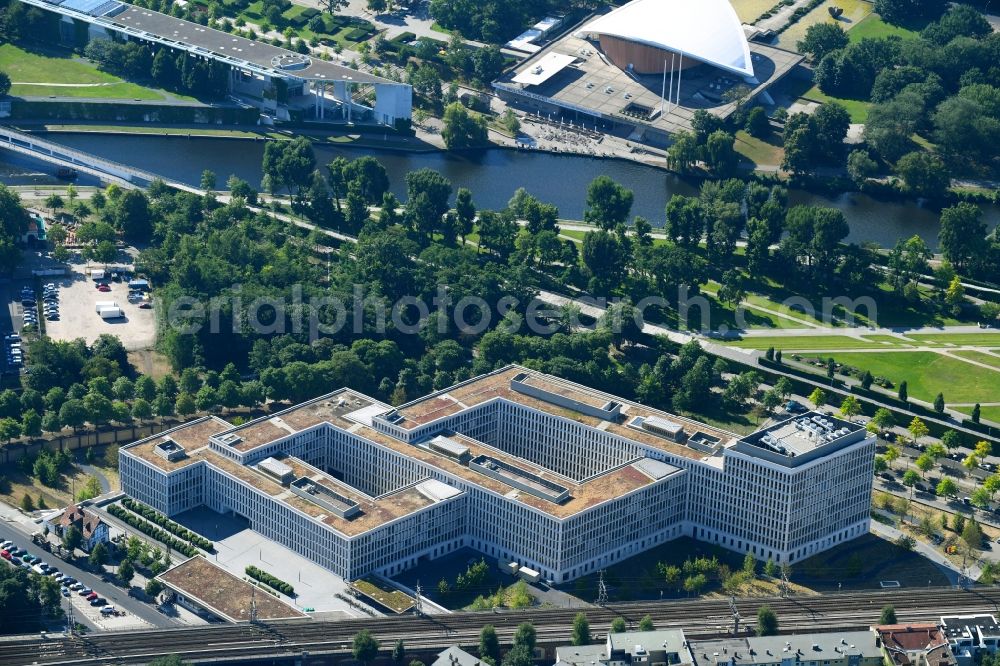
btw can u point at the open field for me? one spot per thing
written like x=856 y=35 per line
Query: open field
x=928 y=373
x=750 y=10
x=980 y=357
x=965 y=339
x=855 y=11
x=873 y=26
x=832 y=342
x=987 y=413
x=857 y=109
x=761 y=152
x=110 y=91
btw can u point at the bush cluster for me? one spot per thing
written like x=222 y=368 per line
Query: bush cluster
x=151 y=530
x=271 y=581
x=152 y=515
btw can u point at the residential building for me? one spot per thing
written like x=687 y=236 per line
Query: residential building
x=970 y=636
x=522 y=466
x=456 y=656
x=664 y=647
x=91 y=527
x=841 y=648
x=915 y=645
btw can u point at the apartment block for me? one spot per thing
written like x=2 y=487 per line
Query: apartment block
x=523 y=466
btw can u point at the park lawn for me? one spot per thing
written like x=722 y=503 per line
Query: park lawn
x=831 y=342
x=24 y=66
x=762 y=152
x=891 y=339
x=928 y=373
x=966 y=339
x=575 y=234
x=749 y=11
x=856 y=108
x=980 y=357
x=873 y=26
x=987 y=413
x=855 y=11
x=121 y=90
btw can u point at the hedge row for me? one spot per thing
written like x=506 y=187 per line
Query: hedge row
x=152 y=515
x=269 y=580
x=793 y=370
x=152 y=530
x=358 y=34
x=979 y=427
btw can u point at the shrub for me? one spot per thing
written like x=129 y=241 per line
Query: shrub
x=151 y=514
x=270 y=581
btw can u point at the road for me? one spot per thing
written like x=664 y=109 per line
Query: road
x=16 y=532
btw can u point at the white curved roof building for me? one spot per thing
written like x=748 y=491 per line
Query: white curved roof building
x=644 y=34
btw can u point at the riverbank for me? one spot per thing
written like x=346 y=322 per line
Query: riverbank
x=492 y=174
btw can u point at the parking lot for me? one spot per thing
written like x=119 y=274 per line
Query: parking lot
x=78 y=295
x=237 y=546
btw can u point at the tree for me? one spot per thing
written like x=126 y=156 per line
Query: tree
x=646 y=624
x=581 y=630
x=720 y=153
x=880 y=464
x=27 y=504
x=962 y=233
x=462 y=128
x=924 y=463
x=98 y=556
x=525 y=636
x=618 y=625
x=72 y=538
x=153 y=588
x=131 y=215
x=917 y=428
x=975 y=413
x=902 y=393
x=489 y=644
x=822 y=38
x=817 y=397
x=910 y=479
x=185 y=404
x=608 y=203
x=126 y=571
x=750 y=565
x=31 y=424
x=923 y=174
x=683 y=152
x=519 y=655
x=364 y=648
x=767 y=621
x=4 y=84
x=939 y=403
x=168 y=660
x=9 y=429
x=208 y=180
x=850 y=407
x=860 y=166
x=972 y=534
x=398 y=652
x=757 y=124
x=946 y=488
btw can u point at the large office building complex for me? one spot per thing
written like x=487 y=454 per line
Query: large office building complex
x=520 y=465
x=272 y=78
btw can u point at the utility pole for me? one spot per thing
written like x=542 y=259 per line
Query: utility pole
x=70 y=620
x=602 y=590
x=418 y=603
x=253 y=605
x=784 y=582
x=736 y=615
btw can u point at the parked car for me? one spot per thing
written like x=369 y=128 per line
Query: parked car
x=99 y=601
x=66 y=592
x=103 y=288
x=76 y=587
x=85 y=592
x=145 y=305
x=93 y=595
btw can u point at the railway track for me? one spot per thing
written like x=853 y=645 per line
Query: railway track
x=700 y=619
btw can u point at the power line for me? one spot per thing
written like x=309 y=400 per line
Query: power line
x=602 y=590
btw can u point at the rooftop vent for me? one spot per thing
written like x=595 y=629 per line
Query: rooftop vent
x=290 y=62
x=169 y=450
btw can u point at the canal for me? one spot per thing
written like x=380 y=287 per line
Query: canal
x=491 y=175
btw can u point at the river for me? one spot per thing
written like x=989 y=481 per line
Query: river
x=492 y=176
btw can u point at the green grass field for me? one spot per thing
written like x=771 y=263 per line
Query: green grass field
x=855 y=11
x=928 y=373
x=874 y=26
x=761 y=152
x=750 y=10
x=831 y=342
x=980 y=357
x=987 y=413
x=857 y=109
x=966 y=339
x=891 y=339
x=121 y=90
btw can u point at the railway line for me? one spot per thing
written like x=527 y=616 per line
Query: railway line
x=700 y=618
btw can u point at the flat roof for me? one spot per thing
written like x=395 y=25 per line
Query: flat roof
x=228 y=46
x=820 y=646
x=192 y=436
x=544 y=69
x=222 y=593
x=497 y=385
x=802 y=434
